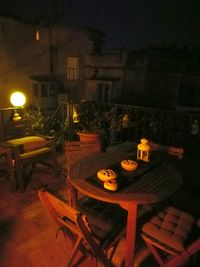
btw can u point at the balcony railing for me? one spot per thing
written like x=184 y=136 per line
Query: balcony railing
x=162 y=126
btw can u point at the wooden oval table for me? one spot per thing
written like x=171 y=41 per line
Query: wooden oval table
x=150 y=183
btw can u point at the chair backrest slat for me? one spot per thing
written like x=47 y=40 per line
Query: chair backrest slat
x=57 y=207
x=171 y=150
x=75 y=150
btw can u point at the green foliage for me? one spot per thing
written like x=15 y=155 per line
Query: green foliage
x=91 y=118
x=97 y=118
x=38 y=120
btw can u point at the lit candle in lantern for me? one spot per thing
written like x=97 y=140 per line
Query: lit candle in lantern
x=125 y=121
x=75 y=117
x=143 y=150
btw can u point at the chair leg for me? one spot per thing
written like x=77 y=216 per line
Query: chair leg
x=74 y=251
x=13 y=184
x=18 y=170
x=11 y=172
x=54 y=159
x=141 y=255
x=12 y=178
x=155 y=254
x=194 y=247
x=20 y=178
x=179 y=260
x=184 y=257
x=114 y=247
x=71 y=194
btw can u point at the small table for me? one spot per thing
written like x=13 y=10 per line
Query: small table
x=154 y=184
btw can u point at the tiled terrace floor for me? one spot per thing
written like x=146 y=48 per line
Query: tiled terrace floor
x=28 y=237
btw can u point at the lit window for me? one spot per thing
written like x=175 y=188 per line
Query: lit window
x=37 y=35
x=72 y=68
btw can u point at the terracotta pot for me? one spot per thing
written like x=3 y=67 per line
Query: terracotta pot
x=89 y=136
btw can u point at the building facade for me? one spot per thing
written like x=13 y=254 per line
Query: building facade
x=43 y=61
x=51 y=63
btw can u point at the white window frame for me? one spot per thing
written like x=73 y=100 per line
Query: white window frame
x=38 y=87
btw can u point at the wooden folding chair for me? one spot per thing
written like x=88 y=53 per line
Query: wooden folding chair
x=29 y=150
x=75 y=150
x=6 y=164
x=172 y=236
x=89 y=238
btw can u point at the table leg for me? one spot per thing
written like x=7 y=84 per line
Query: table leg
x=130 y=234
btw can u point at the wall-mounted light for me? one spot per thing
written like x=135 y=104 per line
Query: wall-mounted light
x=17 y=99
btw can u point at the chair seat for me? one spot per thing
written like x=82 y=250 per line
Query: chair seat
x=170 y=228
x=29 y=143
x=106 y=219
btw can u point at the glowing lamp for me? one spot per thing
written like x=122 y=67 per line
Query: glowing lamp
x=143 y=150
x=17 y=99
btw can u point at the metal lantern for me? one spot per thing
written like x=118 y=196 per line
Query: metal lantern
x=75 y=116
x=143 y=150
x=125 y=121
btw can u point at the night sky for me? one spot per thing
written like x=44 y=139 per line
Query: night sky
x=127 y=23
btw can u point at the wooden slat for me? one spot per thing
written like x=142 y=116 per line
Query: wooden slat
x=171 y=150
x=157 y=183
x=75 y=150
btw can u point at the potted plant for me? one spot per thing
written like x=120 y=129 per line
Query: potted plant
x=92 y=123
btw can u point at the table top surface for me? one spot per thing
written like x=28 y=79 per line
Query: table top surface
x=150 y=183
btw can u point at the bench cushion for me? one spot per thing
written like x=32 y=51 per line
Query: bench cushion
x=29 y=143
x=170 y=227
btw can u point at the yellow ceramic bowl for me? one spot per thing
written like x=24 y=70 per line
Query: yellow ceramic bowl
x=129 y=165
